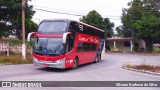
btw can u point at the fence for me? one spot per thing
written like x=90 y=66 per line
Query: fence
x=5 y=46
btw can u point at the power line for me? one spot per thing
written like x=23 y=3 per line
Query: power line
x=114 y=19
x=57 y=8
x=68 y=13
x=46 y=8
x=57 y=12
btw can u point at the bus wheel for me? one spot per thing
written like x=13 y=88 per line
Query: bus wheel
x=97 y=59
x=75 y=63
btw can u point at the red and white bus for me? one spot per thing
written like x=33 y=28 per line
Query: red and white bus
x=66 y=44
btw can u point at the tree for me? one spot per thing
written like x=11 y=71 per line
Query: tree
x=95 y=19
x=10 y=18
x=120 y=32
x=108 y=27
x=142 y=20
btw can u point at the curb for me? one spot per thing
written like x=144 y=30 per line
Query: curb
x=134 y=53
x=143 y=71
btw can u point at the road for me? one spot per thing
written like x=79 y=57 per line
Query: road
x=107 y=70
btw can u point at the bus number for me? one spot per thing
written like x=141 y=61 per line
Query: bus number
x=81 y=27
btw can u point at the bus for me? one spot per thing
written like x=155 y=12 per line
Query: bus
x=64 y=43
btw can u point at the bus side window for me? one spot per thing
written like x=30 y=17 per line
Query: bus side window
x=73 y=27
x=69 y=43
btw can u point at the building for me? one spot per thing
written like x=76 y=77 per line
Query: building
x=120 y=44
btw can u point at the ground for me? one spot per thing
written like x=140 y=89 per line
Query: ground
x=110 y=69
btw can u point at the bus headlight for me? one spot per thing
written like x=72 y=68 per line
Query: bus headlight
x=60 y=60
x=35 y=59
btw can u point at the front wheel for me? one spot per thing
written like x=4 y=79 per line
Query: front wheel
x=75 y=61
x=98 y=58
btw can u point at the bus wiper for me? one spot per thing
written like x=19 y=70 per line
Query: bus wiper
x=38 y=52
x=49 y=51
x=57 y=48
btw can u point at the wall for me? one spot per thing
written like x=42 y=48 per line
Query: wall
x=120 y=46
x=4 y=46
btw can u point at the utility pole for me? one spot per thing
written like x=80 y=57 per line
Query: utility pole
x=132 y=35
x=23 y=31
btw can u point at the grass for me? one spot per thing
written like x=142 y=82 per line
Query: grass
x=151 y=68
x=15 y=59
x=156 y=49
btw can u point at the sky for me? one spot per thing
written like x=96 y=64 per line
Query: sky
x=106 y=8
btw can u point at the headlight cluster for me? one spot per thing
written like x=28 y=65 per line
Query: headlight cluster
x=57 y=61
x=60 y=60
x=35 y=59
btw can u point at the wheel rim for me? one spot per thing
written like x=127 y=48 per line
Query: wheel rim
x=75 y=63
x=97 y=59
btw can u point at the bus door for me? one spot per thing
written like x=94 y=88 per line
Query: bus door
x=90 y=51
x=81 y=53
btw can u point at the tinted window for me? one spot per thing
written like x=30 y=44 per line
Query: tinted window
x=86 y=47
x=49 y=27
x=73 y=26
x=69 y=43
x=90 y=31
x=126 y=44
x=48 y=46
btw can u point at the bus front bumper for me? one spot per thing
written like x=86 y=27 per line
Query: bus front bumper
x=53 y=64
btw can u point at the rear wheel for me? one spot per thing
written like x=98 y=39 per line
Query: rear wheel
x=99 y=56
x=75 y=61
x=97 y=59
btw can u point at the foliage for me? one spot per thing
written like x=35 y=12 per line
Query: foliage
x=156 y=49
x=120 y=31
x=148 y=26
x=95 y=19
x=30 y=43
x=13 y=42
x=141 y=20
x=10 y=18
x=15 y=59
x=144 y=68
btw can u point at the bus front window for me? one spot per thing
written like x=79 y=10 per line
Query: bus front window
x=48 y=46
x=52 y=27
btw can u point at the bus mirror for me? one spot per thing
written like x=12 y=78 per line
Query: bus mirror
x=29 y=36
x=65 y=37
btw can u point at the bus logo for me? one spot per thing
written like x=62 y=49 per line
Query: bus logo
x=6 y=84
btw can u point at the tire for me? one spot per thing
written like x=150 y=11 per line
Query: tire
x=99 y=56
x=75 y=63
x=97 y=59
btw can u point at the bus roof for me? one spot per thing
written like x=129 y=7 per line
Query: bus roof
x=69 y=20
x=91 y=26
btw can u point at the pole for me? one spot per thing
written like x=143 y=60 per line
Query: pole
x=23 y=31
x=132 y=35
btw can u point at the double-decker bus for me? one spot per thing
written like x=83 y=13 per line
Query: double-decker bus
x=66 y=44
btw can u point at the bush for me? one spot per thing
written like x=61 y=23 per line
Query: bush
x=2 y=53
x=15 y=59
x=156 y=49
x=152 y=68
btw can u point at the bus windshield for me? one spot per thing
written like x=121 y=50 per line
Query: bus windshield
x=52 y=27
x=48 y=46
